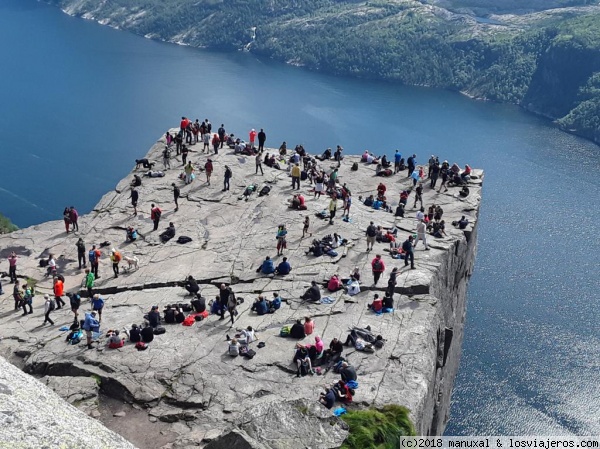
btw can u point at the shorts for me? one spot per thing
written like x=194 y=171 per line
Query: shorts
x=88 y=333
x=370 y=240
x=134 y=203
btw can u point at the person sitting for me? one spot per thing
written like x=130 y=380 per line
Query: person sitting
x=199 y=304
x=316 y=351
x=267 y=267
x=275 y=303
x=137 y=181
x=297 y=330
x=313 y=293
x=377 y=304
x=342 y=392
x=364 y=156
x=334 y=283
x=316 y=248
x=463 y=223
x=114 y=340
x=309 y=325
x=381 y=189
x=147 y=334
x=233 y=348
x=385 y=163
x=328 y=398
x=169 y=315
x=464 y=192
x=231 y=141
x=284 y=267
x=247 y=336
x=355 y=274
x=301 y=358
x=132 y=234
x=388 y=302
x=260 y=306
x=283 y=149
x=179 y=316
x=369 y=201
x=145 y=163
x=168 y=234
x=134 y=334
x=153 y=317
x=192 y=286
x=400 y=210
x=326 y=154
x=439 y=229
x=334 y=352
x=353 y=287
x=347 y=372
x=466 y=174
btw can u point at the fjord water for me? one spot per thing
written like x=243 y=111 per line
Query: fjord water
x=79 y=102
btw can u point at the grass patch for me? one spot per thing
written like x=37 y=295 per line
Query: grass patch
x=377 y=428
x=97 y=379
x=6 y=225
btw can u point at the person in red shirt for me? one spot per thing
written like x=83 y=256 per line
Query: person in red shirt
x=155 y=214
x=216 y=141
x=378 y=268
x=252 y=136
x=377 y=304
x=59 y=291
x=184 y=124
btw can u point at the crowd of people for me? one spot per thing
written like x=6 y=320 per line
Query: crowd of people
x=308 y=359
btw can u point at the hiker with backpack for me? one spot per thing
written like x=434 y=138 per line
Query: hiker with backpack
x=155 y=214
x=75 y=303
x=49 y=306
x=378 y=268
x=371 y=232
x=94 y=258
x=208 y=167
x=27 y=299
x=81 y=252
x=59 y=291
x=115 y=257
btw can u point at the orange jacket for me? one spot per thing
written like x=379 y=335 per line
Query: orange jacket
x=59 y=288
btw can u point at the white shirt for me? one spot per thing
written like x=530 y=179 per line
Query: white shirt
x=420 y=215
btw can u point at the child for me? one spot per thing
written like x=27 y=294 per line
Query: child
x=306 y=226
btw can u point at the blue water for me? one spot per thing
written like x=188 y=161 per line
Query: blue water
x=79 y=102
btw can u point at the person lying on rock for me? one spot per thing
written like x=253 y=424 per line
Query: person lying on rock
x=283 y=268
x=192 y=286
x=313 y=293
x=260 y=306
x=301 y=358
x=114 y=340
x=297 y=330
x=267 y=267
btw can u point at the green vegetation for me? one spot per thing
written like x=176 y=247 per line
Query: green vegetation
x=377 y=428
x=546 y=61
x=6 y=225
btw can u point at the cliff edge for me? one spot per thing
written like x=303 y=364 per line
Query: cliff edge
x=185 y=378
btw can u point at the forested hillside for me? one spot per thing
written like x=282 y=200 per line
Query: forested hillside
x=547 y=60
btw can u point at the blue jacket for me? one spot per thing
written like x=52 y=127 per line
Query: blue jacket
x=90 y=323
x=97 y=304
x=267 y=267
x=284 y=268
x=397 y=157
x=261 y=307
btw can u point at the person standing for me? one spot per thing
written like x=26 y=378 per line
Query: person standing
x=155 y=214
x=59 y=291
x=252 y=135
x=226 y=177
x=397 y=159
x=391 y=283
x=75 y=303
x=167 y=158
x=184 y=154
x=94 y=258
x=176 y=194
x=296 y=173
x=347 y=204
x=67 y=219
x=223 y=298
x=208 y=167
x=306 y=226
x=411 y=163
x=89 y=282
x=98 y=305
x=90 y=325
x=12 y=267
x=371 y=233
x=115 y=258
x=48 y=308
x=434 y=171
x=332 y=208
x=206 y=142
x=231 y=305
x=378 y=268
x=444 y=173
x=419 y=195
x=134 y=200
x=216 y=142
x=74 y=218
x=262 y=138
x=258 y=160
x=409 y=254
x=189 y=171
x=421 y=234
x=27 y=299
x=222 y=134
x=81 y=253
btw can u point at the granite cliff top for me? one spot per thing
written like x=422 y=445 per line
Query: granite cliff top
x=185 y=376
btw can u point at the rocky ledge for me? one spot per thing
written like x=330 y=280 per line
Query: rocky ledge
x=185 y=378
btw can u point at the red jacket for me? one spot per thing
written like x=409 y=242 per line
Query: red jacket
x=153 y=213
x=252 y=135
x=208 y=167
x=381 y=268
x=58 y=288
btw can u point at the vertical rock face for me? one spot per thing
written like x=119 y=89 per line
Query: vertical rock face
x=185 y=378
x=33 y=416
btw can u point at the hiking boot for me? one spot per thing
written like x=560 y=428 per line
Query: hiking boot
x=90 y=347
x=30 y=312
